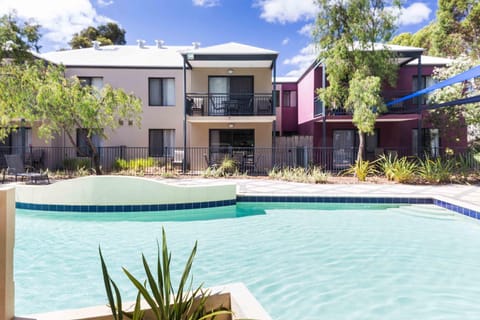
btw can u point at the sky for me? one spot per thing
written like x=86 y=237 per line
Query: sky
x=280 y=25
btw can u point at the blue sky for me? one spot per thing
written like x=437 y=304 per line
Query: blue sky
x=280 y=25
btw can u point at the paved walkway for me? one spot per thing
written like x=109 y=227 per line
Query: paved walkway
x=466 y=195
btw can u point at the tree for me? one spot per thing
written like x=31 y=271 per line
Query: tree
x=17 y=39
x=455 y=31
x=448 y=118
x=106 y=34
x=350 y=35
x=43 y=95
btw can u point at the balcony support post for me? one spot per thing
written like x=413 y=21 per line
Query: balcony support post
x=419 y=109
x=274 y=111
x=184 y=160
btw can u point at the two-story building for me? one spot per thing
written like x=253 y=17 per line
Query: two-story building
x=335 y=138
x=213 y=101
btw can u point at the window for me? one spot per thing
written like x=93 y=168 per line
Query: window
x=161 y=91
x=234 y=138
x=425 y=82
x=277 y=98
x=289 y=98
x=82 y=142
x=430 y=140
x=96 y=82
x=161 y=142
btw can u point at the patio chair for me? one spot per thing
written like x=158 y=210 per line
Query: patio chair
x=16 y=167
x=178 y=159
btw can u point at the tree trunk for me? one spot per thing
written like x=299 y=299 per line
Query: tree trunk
x=361 y=146
x=96 y=162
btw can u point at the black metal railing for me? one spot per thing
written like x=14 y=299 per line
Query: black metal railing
x=203 y=104
x=404 y=107
x=251 y=161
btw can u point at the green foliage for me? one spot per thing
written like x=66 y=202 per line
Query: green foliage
x=75 y=164
x=298 y=174
x=362 y=169
x=138 y=164
x=106 y=34
x=42 y=94
x=346 y=33
x=18 y=38
x=401 y=170
x=166 y=303
x=436 y=170
x=454 y=31
x=228 y=166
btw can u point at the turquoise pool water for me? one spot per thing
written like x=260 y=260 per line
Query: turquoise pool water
x=301 y=261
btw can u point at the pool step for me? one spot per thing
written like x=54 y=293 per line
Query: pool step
x=425 y=211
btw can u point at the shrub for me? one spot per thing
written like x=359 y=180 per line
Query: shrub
x=298 y=174
x=228 y=166
x=436 y=170
x=138 y=164
x=76 y=164
x=362 y=169
x=401 y=170
x=165 y=302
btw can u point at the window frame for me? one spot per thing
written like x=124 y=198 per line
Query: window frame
x=162 y=97
x=166 y=151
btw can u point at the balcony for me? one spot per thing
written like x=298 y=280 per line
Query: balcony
x=204 y=104
x=405 y=107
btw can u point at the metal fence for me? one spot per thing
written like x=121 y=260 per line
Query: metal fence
x=195 y=161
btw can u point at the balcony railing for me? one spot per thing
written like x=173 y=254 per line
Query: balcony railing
x=203 y=104
x=407 y=106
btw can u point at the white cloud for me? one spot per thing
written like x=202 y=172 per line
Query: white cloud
x=301 y=61
x=285 y=41
x=306 y=30
x=104 y=3
x=206 y=3
x=284 y=11
x=414 y=14
x=59 y=19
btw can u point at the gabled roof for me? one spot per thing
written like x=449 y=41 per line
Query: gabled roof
x=228 y=55
x=119 y=56
x=231 y=48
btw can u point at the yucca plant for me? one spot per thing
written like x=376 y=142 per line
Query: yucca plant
x=436 y=170
x=401 y=170
x=361 y=169
x=164 y=301
x=228 y=166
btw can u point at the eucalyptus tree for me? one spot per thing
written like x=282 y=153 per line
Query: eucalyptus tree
x=57 y=104
x=106 y=34
x=17 y=39
x=350 y=35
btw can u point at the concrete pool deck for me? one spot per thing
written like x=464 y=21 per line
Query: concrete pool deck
x=468 y=195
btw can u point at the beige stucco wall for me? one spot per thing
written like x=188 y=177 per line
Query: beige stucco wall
x=136 y=81
x=262 y=78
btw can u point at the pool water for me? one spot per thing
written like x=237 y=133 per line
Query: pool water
x=301 y=261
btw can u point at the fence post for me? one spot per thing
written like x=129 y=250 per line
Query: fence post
x=7 y=240
x=305 y=157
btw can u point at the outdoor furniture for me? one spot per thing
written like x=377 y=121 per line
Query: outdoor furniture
x=16 y=167
x=178 y=159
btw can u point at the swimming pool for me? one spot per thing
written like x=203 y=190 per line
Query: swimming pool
x=300 y=260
